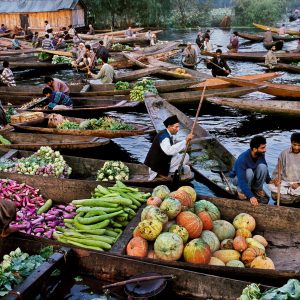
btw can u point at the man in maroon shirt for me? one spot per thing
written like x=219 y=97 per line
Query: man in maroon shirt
x=57 y=85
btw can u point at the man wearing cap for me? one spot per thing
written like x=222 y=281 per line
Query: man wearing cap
x=190 y=55
x=218 y=65
x=163 y=157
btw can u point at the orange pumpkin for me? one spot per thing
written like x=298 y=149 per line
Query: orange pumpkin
x=191 y=223
x=244 y=233
x=240 y=243
x=184 y=197
x=244 y=220
x=262 y=262
x=250 y=254
x=155 y=201
x=206 y=220
x=136 y=232
x=197 y=251
x=137 y=246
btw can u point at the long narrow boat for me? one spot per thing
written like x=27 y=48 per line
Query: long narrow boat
x=207 y=151
x=257 y=56
x=283 y=67
x=276 y=107
x=17 y=52
x=260 y=38
x=276 y=30
x=85 y=169
x=34 y=64
x=97 y=269
x=218 y=83
x=278 y=90
x=41 y=126
x=28 y=141
x=136 y=74
x=278 y=228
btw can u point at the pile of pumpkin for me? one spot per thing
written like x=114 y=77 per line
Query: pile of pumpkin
x=182 y=227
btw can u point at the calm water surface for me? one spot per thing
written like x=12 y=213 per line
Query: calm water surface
x=234 y=128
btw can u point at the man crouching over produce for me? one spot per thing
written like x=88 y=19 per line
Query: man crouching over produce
x=57 y=100
x=163 y=157
x=7 y=214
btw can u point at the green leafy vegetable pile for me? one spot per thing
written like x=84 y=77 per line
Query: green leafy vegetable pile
x=122 y=85
x=100 y=61
x=4 y=141
x=43 y=56
x=17 y=265
x=58 y=59
x=139 y=89
x=9 y=112
x=120 y=47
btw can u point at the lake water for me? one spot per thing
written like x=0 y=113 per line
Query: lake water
x=234 y=128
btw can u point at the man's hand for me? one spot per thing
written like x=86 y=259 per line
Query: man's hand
x=294 y=185
x=189 y=137
x=253 y=201
x=275 y=181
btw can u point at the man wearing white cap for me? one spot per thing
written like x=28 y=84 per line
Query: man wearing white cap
x=163 y=157
x=190 y=55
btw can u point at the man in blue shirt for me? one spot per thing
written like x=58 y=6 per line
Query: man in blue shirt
x=250 y=171
x=57 y=100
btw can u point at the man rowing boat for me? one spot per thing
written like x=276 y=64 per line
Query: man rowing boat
x=163 y=157
x=218 y=65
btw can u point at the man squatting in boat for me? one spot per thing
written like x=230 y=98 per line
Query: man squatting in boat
x=163 y=157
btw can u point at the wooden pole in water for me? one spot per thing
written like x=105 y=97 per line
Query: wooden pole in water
x=279 y=179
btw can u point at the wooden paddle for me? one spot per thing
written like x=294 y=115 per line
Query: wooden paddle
x=279 y=179
x=177 y=173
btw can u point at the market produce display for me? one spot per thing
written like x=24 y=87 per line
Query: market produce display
x=99 y=221
x=44 y=162
x=9 y=112
x=58 y=59
x=43 y=56
x=100 y=61
x=122 y=85
x=140 y=88
x=105 y=123
x=176 y=226
x=18 y=265
x=121 y=47
x=35 y=215
x=290 y=291
x=113 y=171
x=31 y=103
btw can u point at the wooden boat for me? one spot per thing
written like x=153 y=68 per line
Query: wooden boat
x=41 y=125
x=257 y=56
x=136 y=74
x=285 y=38
x=283 y=67
x=17 y=52
x=278 y=228
x=35 y=64
x=97 y=269
x=85 y=169
x=205 y=145
x=277 y=44
x=88 y=108
x=277 y=107
x=278 y=90
x=251 y=37
x=276 y=30
x=218 y=83
x=286 y=199
x=29 y=141
x=139 y=38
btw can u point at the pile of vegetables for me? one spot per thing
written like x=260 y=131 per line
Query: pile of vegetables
x=140 y=88
x=4 y=141
x=175 y=225
x=44 y=162
x=105 y=123
x=290 y=291
x=297 y=64
x=113 y=171
x=30 y=103
x=58 y=59
x=100 y=61
x=121 y=47
x=43 y=56
x=99 y=220
x=34 y=215
x=18 y=265
x=9 y=112
x=122 y=85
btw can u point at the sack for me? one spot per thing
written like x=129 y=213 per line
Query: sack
x=54 y=120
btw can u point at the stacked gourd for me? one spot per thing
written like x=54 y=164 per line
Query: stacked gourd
x=175 y=226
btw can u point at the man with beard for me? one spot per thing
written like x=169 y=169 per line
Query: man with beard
x=250 y=171
x=289 y=179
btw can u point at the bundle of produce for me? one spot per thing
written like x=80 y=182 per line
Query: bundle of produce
x=100 y=61
x=31 y=103
x=122 y=85
x=105 y=123
x=99 y=220
x=113 y=171
x=4 y=141
x=34 y=215
x=18 y=265
x=43 y=56
x=290 y=291
x=183 y=228
x=121 y=47
x=45 y=162
x=140 y=88
x=58 y=59
x=10 y=111
x=180 y=71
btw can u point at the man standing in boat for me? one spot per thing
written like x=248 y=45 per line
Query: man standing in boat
x=190 y=55
x=289 y=177
x=163 y=157
x=218 y=65
x=250 y=171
